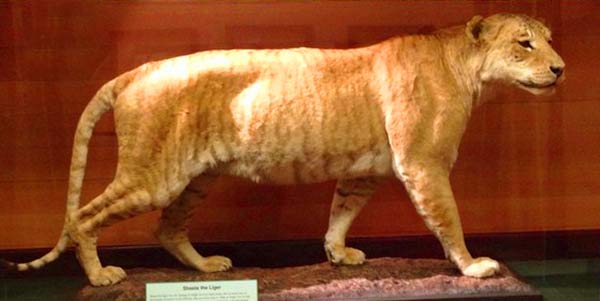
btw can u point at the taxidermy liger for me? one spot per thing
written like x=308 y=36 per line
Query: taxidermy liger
x=396 y=108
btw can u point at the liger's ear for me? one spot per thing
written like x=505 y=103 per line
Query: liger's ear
x=541 y=20
x=474 y=28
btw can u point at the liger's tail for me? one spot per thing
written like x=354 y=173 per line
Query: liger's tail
x=100 y=104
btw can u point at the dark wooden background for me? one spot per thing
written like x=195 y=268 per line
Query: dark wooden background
x=526 y=164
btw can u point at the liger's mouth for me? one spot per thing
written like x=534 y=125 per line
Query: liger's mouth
x=529 y=84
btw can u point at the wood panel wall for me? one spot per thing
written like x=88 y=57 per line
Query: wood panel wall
x=526 y=164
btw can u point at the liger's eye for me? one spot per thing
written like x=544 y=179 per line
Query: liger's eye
x=526 y=44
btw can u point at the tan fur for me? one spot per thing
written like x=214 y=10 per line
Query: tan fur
x=300 y=116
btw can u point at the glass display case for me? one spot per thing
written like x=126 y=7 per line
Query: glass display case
x=525 y=181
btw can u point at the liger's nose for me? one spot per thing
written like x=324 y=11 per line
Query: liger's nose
x=558 y=71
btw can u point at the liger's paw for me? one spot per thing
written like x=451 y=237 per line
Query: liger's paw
x=108 y=275
x=215 y=264
x=481 y=267
x=344 y=255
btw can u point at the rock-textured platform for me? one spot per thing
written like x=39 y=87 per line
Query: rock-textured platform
x=378 y=279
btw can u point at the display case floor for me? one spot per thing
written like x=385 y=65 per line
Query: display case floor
x=378 y=279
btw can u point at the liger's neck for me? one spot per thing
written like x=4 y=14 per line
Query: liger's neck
x=464 y=58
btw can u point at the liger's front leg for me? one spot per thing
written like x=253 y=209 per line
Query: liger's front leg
x=431 y=194
x=349 y=198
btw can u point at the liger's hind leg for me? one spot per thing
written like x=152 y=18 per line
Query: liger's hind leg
x=84 y=233
x=173 y=235
x=350 y=197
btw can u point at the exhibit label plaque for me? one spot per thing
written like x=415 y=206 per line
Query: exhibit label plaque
x=231 y=290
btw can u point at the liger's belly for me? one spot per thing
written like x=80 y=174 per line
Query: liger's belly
x=375 y=162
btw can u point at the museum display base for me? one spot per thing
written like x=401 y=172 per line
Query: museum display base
x=378 y=279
